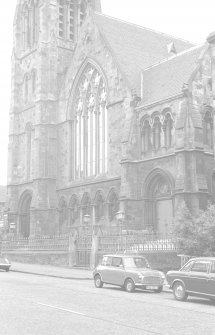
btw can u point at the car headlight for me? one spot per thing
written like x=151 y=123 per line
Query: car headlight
x=140 y=276
x=163 y=276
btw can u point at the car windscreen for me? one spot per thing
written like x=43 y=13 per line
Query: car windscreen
x=136 y=262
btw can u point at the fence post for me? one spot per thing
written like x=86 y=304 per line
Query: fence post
x=94 y=250
x=72 y=251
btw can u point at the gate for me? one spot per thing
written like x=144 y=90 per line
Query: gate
x=83 y=250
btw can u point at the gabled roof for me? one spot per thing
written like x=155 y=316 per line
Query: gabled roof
x=167 y=78
x=134 y=47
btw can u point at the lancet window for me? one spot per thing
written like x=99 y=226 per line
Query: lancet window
x=28 y=131
x=73 y=211
x=99 y=207
x=70 y=16
x=30 y=24
x=168 y=125
x=89 y=127
x=157 y=134
x=208 y=129
x=146 y=137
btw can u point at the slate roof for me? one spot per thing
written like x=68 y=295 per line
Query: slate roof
x=167 y=78
x=134 y=47
x=3 y=193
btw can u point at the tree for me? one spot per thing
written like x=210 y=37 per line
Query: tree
x=195 y=235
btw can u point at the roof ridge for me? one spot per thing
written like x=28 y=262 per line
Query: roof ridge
x=173 y=57
x=142 y=27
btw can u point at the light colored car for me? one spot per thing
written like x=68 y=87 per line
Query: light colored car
x=195 y=278
x=129 y=272
x=4 y=263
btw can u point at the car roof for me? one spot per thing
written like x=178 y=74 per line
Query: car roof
x=202 y=259
x=123 y=255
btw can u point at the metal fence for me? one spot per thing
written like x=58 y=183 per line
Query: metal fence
x=137 y=242
x=45 y=243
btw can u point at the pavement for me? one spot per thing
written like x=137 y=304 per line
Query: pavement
x=74 y=273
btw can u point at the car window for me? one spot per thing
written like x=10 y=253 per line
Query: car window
x=116 y=261
x=187 y=266
x=106 y=261
x=200 y=266
x=213 y=267
x=136 y=262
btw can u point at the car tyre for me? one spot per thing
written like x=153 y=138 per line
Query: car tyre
x=7 y=269
x=98 y=282
x=159 y=289
x=179 y=292
x=129 y=285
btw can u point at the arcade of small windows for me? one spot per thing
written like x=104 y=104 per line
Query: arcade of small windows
x=30 y=24
x=70 y=16
x=73 y=214
x=208 y=129
x=89 y=136
x=156 y=134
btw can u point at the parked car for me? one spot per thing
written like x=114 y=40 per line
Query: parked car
x=195 y=278
x=4 y=263
x=129 y=272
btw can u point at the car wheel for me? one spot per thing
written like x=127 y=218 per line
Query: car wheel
x=159 y=290
x=179 y=291
x=129 y=285
x=7 y=269
x=98 y=282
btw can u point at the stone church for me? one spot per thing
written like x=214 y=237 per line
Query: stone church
x=106 y=117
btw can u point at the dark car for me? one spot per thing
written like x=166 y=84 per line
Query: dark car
x=4 y=263
x=129 y=272
x=195 y=278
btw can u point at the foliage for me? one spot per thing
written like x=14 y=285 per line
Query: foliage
x=195 y=235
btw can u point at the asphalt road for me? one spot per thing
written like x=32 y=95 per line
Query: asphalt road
x=35 y=305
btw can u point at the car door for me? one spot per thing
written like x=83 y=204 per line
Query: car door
x=197 y=281
x=105 y=268
x=211 y=280
x=117 y=275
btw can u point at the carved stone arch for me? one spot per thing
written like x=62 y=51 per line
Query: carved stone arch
x=24 y=210
x=158 y=195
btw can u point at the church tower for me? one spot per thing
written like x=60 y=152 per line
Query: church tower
x=45 y=36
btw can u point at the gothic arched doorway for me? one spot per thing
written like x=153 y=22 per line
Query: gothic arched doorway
x=158 y=203
x=24 y=216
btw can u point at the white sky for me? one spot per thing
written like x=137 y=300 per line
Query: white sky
x=192 y=20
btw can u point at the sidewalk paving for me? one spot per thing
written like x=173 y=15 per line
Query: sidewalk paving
x=58 y=272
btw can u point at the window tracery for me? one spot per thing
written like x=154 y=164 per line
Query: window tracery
x=89 y=128
x=73 y=211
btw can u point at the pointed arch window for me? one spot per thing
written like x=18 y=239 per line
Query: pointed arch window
x=157 y=134
x=168 y=126
x=26 y=88
x=33 y=81
x=63 y=216
x=89 y=127
x=208 y=129
x=30 y=24
x=113 y=205
x=146 y=137
x=86 y=205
